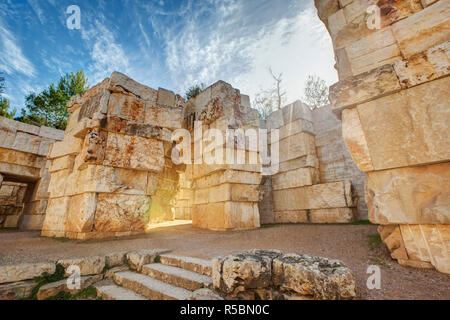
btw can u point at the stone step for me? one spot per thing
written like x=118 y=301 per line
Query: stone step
x=176 y=276
x=108 y=290
x=150 y=288
x=189 y=263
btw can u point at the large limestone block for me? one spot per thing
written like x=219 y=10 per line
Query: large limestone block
x=20 y=171
x=335 y=215
x=8 y=137
x=81 y=213
x=293 y=128
x=88 y=265
x=227 y=192
x=424 y=29
x=308 y=161
x=16 y=290
x=120 y=83
x=415 y=195
x=294 y=216
x=318 y=277
x=132 y=152
x=14 y=273
x=224 y=216
x=424 y=66
x=51 y=133
x=428 y=243
x=409 y=127
x=355 y=140
x=320 y=196
x=14 y=126
x=59 y=181
x=21 y=158
x=364 y=87
x=392 y=238
x=126 y=106
x=55 y=216
x=164 y=116
x=116 y=213
x=296 y=146
x=31 y=222
x=69 y=146
x=66 y=162
x=52 y=289
x=326 y=8
x=295 y=178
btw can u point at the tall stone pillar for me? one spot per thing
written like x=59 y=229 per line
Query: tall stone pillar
x=393 y=97
x=226 y=193
x=112 y=174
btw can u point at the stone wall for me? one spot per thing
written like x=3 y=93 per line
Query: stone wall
x=112 y=174
x=393 y=99
x=299 y=194
x=226 y=195
x=335 y=161
x=24 y=171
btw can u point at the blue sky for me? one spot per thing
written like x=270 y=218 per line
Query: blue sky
x=162 y=43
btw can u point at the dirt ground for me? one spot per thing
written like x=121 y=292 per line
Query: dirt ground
x=358 y=246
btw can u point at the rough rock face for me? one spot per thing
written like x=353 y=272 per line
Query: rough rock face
x=112 y=174
x=393 y=99
x=270 y=274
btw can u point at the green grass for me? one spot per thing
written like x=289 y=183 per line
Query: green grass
x=374 y=241
x=8 y=229
x=361 y=222
x=44 y=279
x=88 y=293
x=268 y=226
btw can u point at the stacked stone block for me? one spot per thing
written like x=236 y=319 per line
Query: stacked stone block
x=335 y=162
x=298 y=195
x=185 y=195
x=12 y=196
x=23 y=152
x=393 y=99
x=112 y=175
x=226 y=196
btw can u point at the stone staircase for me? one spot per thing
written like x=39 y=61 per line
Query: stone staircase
x=171 y=278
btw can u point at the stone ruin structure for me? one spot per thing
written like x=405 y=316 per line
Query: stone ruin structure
x=24 y=174
x=112 y=173
x=393 y=98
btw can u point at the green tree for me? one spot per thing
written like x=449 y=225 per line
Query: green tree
x=5 y=105
x=316 y=92
x=48 y=108
x=194 y=90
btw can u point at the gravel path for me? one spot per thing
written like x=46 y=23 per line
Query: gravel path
x=355 y=245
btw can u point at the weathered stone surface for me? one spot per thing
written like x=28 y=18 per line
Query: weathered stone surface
x=294 y=216
x=428 y=243
x=126 y=106
x=320 y=196
x=392 y=238
x=134 y=152
x=295 y=178
x=425 y=66
x=81 y=213
x=334 y=215
x=205 y=294
x=412 y=133
x=247 y=270
x=116 y=212
x=164 y=116
x=16 y=290
x=318 y=277
x=109 y=275
x=227 y=192
x=270 y=273
x=136 y=260
x=424 y=29
x=119 y=82
x=355 y=139
x=295 y=146
x=416 y=195
x=15 y=273
x=52 y=289
x=115 y=259
x=363 y=87
x=69 y=146
x=88 y=265
x=224 y=216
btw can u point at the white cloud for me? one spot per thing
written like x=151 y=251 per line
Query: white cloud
x=11 y=58
x=239 y=41
x=106 y=54
x=37 y=10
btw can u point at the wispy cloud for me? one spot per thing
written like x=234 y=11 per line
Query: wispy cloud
x=11 y=58
x=37 y=10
